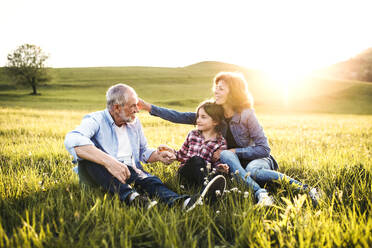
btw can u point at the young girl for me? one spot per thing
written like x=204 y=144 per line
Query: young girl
x=200 y=144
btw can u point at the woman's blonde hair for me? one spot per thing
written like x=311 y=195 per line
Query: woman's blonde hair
x=239 y=96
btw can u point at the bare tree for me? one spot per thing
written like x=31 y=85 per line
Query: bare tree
x=26 y=65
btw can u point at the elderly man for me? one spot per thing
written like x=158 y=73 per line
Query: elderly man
x=109 y=145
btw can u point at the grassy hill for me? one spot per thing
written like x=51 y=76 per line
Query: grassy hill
x=185 y=87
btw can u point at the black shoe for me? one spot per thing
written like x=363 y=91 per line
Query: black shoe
x=142 y=202
x=214 y=189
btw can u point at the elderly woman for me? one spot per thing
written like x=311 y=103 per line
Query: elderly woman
x=248 y=155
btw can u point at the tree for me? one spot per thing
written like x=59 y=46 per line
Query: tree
x=26 y=65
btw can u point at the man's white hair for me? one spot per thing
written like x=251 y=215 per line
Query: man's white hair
x=117 y=94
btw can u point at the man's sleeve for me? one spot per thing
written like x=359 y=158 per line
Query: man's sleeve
x=145 y=152
x=81 y=136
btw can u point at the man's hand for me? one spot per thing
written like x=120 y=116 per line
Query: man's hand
x=114 y=167
x=223 y=168
x=166 y=157
x=142 y=105
x=119 y=170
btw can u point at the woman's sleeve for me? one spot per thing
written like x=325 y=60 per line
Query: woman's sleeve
x=173 y=115
x=261 y=147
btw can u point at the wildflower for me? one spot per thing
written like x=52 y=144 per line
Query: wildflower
x=209 y=166
x=218 y=193
x=226 y=191
x=182 y=187
x=236 y=172
x=218 y=211
x=246 y=194
x=201 y=169
x=239 y=191
x=234 y=189
x=77 y=215
x=247 y=175
x=205 y=183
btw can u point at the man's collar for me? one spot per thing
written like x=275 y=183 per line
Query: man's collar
x=109 y=117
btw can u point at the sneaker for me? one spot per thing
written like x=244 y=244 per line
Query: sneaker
x=214 y=189
x=265 y=200
x=142 y=202
x=315 y=196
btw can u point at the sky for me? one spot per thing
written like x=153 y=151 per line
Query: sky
x=290 y=36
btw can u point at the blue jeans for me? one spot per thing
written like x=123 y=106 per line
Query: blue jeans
x=259 y=171
x=98 y=175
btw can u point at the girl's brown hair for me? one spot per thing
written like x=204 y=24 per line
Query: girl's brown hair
x=214 y=111
x=239 y=97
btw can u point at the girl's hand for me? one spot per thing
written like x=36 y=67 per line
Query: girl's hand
x=224 y=168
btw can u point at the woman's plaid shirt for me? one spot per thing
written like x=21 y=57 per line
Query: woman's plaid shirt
x=196 y=145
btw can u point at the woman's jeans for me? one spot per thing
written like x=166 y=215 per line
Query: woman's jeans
x=98 y=175
x=257 y=171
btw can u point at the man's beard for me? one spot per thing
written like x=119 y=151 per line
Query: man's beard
x=127 y=119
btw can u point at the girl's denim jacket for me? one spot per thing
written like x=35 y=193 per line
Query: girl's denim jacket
x=245 y=128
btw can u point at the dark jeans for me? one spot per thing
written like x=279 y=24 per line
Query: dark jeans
x=98 y=175
x=193 y=172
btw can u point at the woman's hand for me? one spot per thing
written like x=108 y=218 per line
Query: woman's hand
x=142 y=105
x=224 y=168
x=216 y=155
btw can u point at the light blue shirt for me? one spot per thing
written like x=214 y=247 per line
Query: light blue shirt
x=98 y=129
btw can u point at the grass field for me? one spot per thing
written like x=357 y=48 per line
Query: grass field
x=43 y=205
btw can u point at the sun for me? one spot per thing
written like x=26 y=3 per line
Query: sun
x=288 y=80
